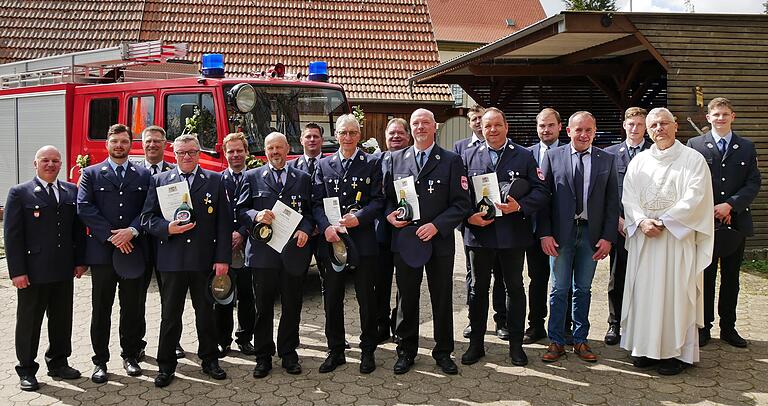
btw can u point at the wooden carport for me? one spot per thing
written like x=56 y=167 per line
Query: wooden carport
x=605 y=62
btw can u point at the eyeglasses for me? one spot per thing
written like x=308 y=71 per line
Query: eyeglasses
x=190 y=154
x=348 y=133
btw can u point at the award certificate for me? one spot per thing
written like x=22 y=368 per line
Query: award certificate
x=490 y=181
x=408 y=185
x=170 y=196
x=285 y=223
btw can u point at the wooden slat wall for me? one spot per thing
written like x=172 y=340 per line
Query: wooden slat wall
x=728 y=58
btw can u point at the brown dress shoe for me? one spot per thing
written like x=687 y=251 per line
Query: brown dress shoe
x=554 y=352
x=584 y=352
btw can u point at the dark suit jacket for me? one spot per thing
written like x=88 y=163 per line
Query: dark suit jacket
x=602 y=197
x=536 y=149
x=461 y=145
x=621 y=155
x=43 y=240
x=233 y=194
x=383 y=228
x=260 y=192
x=301 y=164
x=364 y=175
x=735 y=178
x=166 y=166
x=209 y=242
x=513 y=230
x=104 y=204
x=442 y=188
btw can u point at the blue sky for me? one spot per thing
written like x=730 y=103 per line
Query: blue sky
x=700 y=6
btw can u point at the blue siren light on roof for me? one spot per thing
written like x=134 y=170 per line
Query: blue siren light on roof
x=213 y=65
x=318 y=71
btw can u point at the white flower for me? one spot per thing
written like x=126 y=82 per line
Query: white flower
x=372 y=143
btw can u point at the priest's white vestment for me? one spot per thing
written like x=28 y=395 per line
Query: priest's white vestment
x=663 y=292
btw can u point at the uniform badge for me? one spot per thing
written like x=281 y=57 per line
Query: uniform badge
x=431 y=189
x=362 y=158
x=37 y=188
x=735 y=146
x=621 y=149
x=210 y=209
x=540 y=173
x=709 y=145
x=437 y=157
x=207 y=200
x=368 y=181
x=464 y=183
x=36 y=213
x=103 y=168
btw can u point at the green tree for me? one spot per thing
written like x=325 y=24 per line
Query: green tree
x=591 y=5
x=766 y=7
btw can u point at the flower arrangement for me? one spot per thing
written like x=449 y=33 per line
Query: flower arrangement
x=359 y=114
x=370 y=146
x=253 y=162
x=83 y=161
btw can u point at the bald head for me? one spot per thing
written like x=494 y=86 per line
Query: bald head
x=47 y=148
x=276 y=148
x=47 y=163
x=423 y=128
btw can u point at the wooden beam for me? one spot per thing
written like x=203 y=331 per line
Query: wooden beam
x=608 y=90
x=592 y=23
x=630 y=41
x=660 y=59
x=497 y=85
x=546 y=70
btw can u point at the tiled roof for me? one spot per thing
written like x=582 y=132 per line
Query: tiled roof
x=481 y=22
x=371 y=46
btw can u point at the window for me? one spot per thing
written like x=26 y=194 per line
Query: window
x=102 y=113
x=191 y=113
x=141 y=114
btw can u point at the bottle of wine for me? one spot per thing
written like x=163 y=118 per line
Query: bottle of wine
x=404 y=209
x=261 y=232
x=356 y=205
x=184 y=213
x=485 y=205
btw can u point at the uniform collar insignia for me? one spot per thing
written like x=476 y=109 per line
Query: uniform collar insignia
x=38 y=188
x=735 y=146
x=709 y=145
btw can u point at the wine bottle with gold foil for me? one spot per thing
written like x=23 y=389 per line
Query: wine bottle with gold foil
x=485 y=205
x=184 y=212
x=356 y=205
x=404 y=209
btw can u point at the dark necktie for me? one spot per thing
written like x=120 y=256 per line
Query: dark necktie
x=187 y=176
x=279 y=178
x=51 y=194
x=633 y=152
x=311 y=166
x=345 y=164
x=119 y=171
x=154 y=169
x=420 y=159
x=722 y=144
x=578 y=182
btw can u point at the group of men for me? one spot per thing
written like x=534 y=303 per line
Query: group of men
x=651 y=206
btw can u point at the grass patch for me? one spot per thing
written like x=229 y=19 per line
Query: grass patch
x=758 y=266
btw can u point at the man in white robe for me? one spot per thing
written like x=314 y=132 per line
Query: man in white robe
x=670 y=235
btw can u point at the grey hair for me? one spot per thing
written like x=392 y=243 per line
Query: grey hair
x=275 y=135
x=345 y=120
x=658 y=111
x=155 y=128
x=185 y=138
x=420 y=111
x=581 y=113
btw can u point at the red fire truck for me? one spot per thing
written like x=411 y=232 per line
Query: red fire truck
x=70 y=101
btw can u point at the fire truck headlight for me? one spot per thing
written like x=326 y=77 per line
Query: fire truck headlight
x=243 y=97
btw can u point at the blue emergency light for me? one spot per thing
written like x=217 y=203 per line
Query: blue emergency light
x=213 y=65
x=318 y=71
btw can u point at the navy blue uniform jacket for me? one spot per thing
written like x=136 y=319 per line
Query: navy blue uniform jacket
x=363 y=175
x=209 y=242
x=42 y=240
x=233 y=193
x=260 y=192
x=735 y=178
x=442 y=188
x=513 y=230
x=621 y=155
x=104 y=204
x=602 y=197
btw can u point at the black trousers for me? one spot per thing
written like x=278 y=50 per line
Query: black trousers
x=268 y=283
x=174 y=293
x=143 y=302
x=729 y=289
x=510 y=263
x=246 y=310
x=538 y=289
x=105 y=282
x=499 y=296
x=54 y=299
x=333 y=284
x=616 y=281
x=382 y=286
x=439 y=272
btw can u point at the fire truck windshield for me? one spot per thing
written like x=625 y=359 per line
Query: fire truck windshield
x=287 y=109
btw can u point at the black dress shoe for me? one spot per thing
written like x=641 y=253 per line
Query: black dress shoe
x=333 y=360
x=212 y=369
x=164 y=379
x=132 y=367
x=99 y=374
x=671 y=366
x=223 y=350
x=517 y=355
x=704 y=337
x=644 y=362
x=502 y=332
x=262 y=368
x=64 y=372
x=367 y=363
x=246 y=348
x=467 y=331
x=733 y=338
x=291 y=365
x=180 y=352
x=473 y=354
x=534 y=334
x=447 y=365
x=28 y=383
x=612 y=337
x=403 y=364
x=141 y=355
